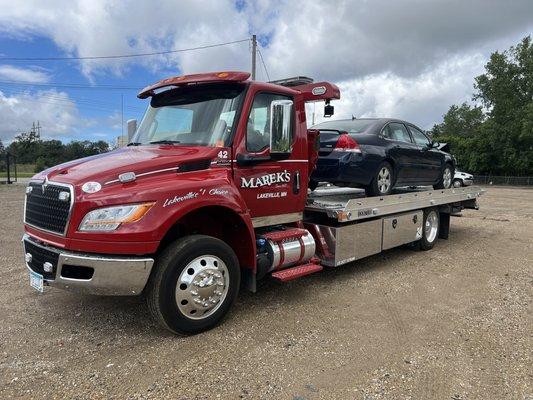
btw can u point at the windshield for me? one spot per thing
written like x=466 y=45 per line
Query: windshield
x=354 y=126
x=198 y=116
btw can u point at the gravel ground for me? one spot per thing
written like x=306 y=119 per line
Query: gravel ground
x=452 y=323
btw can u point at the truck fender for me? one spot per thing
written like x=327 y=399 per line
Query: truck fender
x=221 y=222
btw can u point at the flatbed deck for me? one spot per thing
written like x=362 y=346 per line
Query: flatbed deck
x=347 y=205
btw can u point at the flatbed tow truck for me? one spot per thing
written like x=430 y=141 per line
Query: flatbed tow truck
x=211 y=196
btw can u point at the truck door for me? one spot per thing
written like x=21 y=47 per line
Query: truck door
x=272 y=181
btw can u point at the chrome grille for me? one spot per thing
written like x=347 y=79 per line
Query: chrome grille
x=46 y=206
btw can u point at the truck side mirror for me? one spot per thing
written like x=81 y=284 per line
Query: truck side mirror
x=328 y=110
x=281 y=127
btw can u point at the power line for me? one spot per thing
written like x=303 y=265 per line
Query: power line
x=157 y=53
x=263 y=62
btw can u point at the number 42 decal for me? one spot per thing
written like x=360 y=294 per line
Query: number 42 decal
x=223 y=154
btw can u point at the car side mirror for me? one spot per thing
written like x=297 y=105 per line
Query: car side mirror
x=280 y=127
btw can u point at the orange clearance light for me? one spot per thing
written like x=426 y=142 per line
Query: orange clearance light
x=222 y=74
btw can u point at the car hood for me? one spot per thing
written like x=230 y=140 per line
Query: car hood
x=107 y=167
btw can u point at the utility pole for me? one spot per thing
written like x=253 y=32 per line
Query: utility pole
x=122 y=114
x=254 y=52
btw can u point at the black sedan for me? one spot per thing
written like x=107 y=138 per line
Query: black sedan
x=378 y=154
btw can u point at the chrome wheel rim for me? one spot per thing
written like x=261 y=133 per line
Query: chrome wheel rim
x=202 y=287
x=384 y=180
x=447 y=177
x=431 y=226
x=457 y=183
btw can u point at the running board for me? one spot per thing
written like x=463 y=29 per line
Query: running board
x=296 y=272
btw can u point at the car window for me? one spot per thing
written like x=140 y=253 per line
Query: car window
x=353 y=126
x=258 y=127
x=418 y=136
x=396 y=131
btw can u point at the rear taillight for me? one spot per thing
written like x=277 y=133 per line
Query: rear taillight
x=347 y=143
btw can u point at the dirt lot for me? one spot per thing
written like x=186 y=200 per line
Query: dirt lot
x=452 y=323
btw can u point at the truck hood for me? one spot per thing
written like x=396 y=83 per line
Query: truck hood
x=107 y=167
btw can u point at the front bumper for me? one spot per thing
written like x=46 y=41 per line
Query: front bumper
x=87 y=273
x=468 y=181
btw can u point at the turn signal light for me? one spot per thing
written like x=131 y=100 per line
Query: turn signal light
x=347 y=143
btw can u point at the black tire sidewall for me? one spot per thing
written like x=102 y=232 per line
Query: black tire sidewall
x=173 y=263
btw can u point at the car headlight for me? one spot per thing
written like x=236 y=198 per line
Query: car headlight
x=110 y=218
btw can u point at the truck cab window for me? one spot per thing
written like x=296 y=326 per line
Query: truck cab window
x=259 y=122
x=193 y=116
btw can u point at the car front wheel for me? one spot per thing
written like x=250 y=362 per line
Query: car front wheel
x=446 y=178
x=457 y=183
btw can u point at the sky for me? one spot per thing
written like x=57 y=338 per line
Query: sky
x=408 y=59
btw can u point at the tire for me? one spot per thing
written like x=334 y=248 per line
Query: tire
x=180 y=271
x=457 y=183
x=379 y=186
x=430 y=229
x=312 y=185
x=446 y=178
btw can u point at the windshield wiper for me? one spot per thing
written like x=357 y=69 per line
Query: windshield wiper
x=166 y=141
x=134 y=144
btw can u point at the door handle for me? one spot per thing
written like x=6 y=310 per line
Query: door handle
x=296 y=183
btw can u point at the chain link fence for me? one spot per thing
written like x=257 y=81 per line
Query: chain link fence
x=503 y=180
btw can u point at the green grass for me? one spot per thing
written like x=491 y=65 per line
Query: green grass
x=23 y=171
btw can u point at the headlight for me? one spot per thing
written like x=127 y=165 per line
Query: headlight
x=110 y=218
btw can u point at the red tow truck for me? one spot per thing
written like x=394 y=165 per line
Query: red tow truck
x=210 y=196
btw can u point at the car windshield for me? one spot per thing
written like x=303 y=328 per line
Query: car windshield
x=354 y=126
x=199 y=115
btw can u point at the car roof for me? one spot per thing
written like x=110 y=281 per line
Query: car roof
x=379 y=122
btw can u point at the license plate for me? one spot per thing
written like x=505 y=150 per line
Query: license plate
x=36 y=281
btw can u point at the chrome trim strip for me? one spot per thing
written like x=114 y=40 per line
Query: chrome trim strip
x=154 y=172
x=65 y=185
x=269 y=220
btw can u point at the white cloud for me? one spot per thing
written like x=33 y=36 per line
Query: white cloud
x=421 y=99
x=56 y=112
x=32 y=75
x=405 y=58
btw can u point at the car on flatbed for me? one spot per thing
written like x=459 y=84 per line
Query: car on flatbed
x=378 y=154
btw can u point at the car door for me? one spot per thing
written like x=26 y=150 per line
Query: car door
x=402 y=150
x=429 y=159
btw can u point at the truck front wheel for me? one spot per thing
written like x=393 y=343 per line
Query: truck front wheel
x=195 y=282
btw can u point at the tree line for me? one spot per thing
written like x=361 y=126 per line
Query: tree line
x=29 y=148
x=494 y=134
